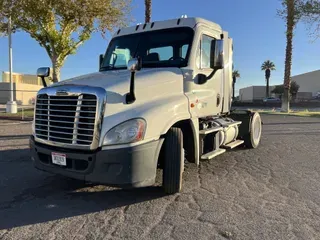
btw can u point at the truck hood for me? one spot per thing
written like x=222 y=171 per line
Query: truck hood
x=119 y=81
x=153 y=87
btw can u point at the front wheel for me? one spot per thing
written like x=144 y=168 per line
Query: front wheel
x=173 y=161
x=253 y=137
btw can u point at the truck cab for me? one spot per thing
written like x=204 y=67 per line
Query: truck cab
x=161 y=98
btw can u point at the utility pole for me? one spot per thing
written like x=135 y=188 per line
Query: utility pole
x=11 y=105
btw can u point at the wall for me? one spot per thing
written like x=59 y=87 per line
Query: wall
x=21 y=78
x=304 y=95
x=5 y=93
x=22 y=94
x=25 y=93
x=254 y=93
x=309 y=82
x=246 y=94
x=259 y=92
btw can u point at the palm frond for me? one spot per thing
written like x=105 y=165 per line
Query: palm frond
x=236 y=74
x=268 y=65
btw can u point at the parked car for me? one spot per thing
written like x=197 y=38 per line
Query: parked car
x=271 y=100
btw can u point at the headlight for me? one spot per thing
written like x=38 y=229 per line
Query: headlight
x=126 y=132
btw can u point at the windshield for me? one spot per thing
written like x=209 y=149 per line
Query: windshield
x=161 y=48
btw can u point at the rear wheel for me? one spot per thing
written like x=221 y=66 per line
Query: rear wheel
x=252 y=139
x=173 y=161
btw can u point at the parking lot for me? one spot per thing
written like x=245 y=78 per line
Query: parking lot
x=272 y=192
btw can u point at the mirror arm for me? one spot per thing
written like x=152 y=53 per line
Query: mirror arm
x=212 y=74
x=43 y=81
x=130 y=97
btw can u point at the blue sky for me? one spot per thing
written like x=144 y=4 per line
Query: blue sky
x=258 y=33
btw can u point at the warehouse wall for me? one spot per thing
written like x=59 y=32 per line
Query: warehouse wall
x=246 y=94
x=5 y=93
x=22 y=93
x=309 y=82
x=254 y=93
x=21 y=78
x=259 y=92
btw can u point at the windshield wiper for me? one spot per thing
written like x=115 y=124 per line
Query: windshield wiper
x=110 y=67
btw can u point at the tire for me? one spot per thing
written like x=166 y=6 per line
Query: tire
x=173 y=161
x=253 y=137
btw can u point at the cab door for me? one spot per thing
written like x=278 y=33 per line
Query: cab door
x=205 y=96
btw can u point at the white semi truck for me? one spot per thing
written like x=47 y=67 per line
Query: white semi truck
x=162 y=97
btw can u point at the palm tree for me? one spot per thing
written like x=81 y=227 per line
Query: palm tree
x=235 y=75
x=268 y=66
x=291 y=19
x=147 y=4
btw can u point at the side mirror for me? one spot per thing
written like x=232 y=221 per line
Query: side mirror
x=217 y=58
x=202 y=79
x=100 y=60
x=43 y=72
x=134 y=64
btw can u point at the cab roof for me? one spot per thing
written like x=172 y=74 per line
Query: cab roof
x=172 y=23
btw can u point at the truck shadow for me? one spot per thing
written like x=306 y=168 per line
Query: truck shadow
x=290 y=123
x=29 y=196
x=12 y=137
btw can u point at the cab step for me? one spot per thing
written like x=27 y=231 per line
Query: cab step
x=231 y=124
x=210 y=130
x=233 y=144
x=212 y=154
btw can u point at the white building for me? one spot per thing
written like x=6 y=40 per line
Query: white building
x=25 y=88
x=254 y=93
x=309 y=82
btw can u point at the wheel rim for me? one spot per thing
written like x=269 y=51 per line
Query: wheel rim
x=256 y=130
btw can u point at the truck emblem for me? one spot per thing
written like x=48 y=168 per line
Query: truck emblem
x=61 y=92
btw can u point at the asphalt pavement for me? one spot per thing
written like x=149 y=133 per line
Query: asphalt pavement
x=272 y=192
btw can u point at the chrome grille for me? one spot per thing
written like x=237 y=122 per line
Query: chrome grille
x=66 y=119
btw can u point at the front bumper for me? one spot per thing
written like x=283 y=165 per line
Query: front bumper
x=125 y=167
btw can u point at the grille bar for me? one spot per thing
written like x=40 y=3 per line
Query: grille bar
x=65 y=105
x=64 y=116
x=45 y=125
x=56 y=110
x=42 y=130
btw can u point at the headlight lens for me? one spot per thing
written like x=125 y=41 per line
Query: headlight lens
x=126 y=132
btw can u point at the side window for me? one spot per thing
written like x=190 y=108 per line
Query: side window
x=184 y=50
x=165 y=53
x=204 y=54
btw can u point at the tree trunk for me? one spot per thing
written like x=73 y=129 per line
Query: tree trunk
x=233 y=86
x=288 y=61
x=147 y=10
x=56 y=68
x=267 y=88
x=56 y=73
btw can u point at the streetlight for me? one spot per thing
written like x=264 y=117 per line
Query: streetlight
x=11 y=105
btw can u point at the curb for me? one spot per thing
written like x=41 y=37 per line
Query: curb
x=14 y=118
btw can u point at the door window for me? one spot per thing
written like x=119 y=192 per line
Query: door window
x=204 y=52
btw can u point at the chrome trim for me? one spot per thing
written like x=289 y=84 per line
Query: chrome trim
x=63 y=105
x=73 y=90
x=45 y=120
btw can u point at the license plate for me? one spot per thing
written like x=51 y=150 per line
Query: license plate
x=59 y=159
